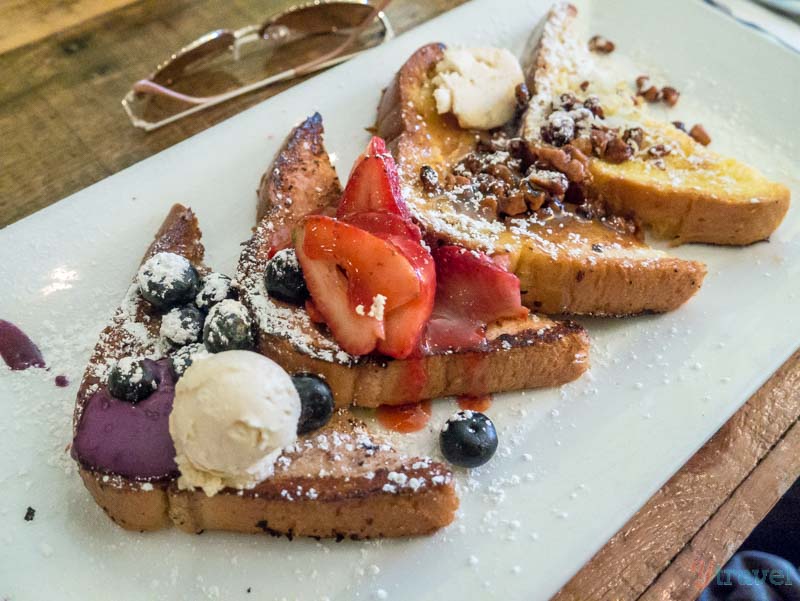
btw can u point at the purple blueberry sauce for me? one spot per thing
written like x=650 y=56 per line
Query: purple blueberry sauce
x=17 y=350
x=62 y=381
x=129 y=440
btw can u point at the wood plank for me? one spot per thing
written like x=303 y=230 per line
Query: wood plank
x=81 y=75
x=713 y=546
x=36 y=19
x=646 y=546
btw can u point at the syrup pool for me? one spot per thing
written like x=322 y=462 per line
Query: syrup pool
x=405 y=418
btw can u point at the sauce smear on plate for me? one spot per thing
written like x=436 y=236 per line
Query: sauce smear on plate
x=17 y=350
x=405 y=418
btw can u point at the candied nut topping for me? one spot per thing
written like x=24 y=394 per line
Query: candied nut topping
x=635 y=135
x=559 y=129
x=593 y=104
x=658 y=151
x=651 y=94
x=522 y=95
x=617 y=151
x=601 y=45
x=670 y=95
x=584 y=86
x=700 y=135
x=429 y=178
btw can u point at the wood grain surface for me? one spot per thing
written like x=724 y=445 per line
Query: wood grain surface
x=66 y=65
x=62 y=127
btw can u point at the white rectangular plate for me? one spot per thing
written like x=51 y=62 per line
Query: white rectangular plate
x=574 y=463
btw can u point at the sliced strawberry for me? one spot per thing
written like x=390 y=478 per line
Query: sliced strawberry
x=328 y=285
x=404 y=326
x=385 y=225
x=373 y=185
x=373 y=266
x=472 y=291
x=313 y=313
x=377 y=145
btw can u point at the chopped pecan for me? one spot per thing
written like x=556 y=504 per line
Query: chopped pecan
x=642 y=82
x=568 y=160
x=670 y=95
x=501 y=171
x=568 y=101
x=651 y=94
x=522 y=94
x=584 y=85
x=601 y=45
x=559 y=129
x=429 y=178
x=593 y=104
x=513 y=204
x=600 y=138
x=534 y=197
x=552 y=181
x=699 y=133
x=658 y=151
x=617 y=151
x=635 y=135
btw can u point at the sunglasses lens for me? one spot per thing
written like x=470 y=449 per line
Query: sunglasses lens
x=323 y=18
x=212 y=44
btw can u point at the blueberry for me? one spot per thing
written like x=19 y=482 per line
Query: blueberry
x=167 y=280
x=186 y=355
x=468 y=439
x=228 y=327
x=214 y=288
x=284 y=278
x=316 y=401
x=133 y=379
x=182 y=325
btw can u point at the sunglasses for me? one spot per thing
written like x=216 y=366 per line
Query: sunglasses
x=315 y=36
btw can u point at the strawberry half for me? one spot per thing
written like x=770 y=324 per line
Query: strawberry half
x=328 y=285
x=373 y=185
x=472 y=291
x=356 y=280
x=385 y=225
x=404 y=325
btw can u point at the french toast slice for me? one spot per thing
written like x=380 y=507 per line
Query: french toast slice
x=567 y=263
x=338 y=481
x=691 y=194
x=519 y=354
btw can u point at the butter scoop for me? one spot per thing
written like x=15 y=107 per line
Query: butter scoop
x=478 y=86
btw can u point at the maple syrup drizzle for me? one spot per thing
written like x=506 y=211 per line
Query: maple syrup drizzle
x=411 y=417
x=17 y=350
x=475 y=403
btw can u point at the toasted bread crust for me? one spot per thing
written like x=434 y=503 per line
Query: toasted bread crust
x=558 y=273
x=300 y=181
x=686 y=215
x=528 y=353
x=552 y=355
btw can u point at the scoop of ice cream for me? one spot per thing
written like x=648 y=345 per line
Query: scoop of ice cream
x=233 y=413
x=477 y=85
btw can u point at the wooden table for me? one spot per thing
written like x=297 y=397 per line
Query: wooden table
x=64 y=68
